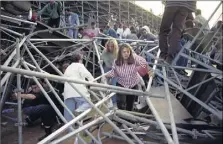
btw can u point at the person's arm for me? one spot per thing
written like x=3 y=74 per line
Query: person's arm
x=112 y=73
x=26 y=96
x=85 y=73
x=43 y=10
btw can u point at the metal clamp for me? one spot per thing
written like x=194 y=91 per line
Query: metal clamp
x=194 y=132
x=20 y=124
x=18 y=90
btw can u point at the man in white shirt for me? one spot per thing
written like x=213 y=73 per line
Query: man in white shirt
x=72 y=99
x=126 y=31
x=120 y=31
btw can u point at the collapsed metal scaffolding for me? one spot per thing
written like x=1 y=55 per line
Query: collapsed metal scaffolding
x=134 y=127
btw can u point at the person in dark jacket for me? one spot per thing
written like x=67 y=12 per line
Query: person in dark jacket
x=36 y=106
x=174 y=16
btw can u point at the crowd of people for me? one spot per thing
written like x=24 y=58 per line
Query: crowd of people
x=123 y=67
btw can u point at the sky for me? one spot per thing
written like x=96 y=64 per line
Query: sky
x=207 y=7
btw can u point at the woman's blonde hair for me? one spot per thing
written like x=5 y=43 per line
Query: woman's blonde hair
x=114 y=42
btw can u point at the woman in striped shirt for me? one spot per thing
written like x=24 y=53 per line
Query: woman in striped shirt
x=125 y=69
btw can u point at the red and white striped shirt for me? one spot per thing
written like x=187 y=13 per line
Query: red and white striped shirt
x=128 y=75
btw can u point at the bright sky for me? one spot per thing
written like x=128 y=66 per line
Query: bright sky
x=207 y=7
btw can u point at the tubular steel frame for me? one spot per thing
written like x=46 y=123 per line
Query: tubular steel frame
x=112 y=115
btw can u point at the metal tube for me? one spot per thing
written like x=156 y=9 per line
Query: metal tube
x=81 y=129
x=11 y=31
x=139 y=93
x=13 y=53
x=55 y=93
x=171 y=114
x=207 y=80
x=7 y=75
x=152 y=108
x=15 y=19
x=200 y=63
x=63 y=128
x=218 y=114
x=20 y=139
x=63 y=40
x=127 y=40
x=132 y=134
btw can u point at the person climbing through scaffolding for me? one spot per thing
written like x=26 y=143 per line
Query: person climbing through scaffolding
x=73 y=21
x=72 y=99
x=108 y=56
x=175 y=15
x=125 y=68
x=52 y=10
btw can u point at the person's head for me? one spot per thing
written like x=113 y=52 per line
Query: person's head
x=198 y=12
x=219 y=24
x=125 y=26
x=120 y=25
x=52 y=2
x=34 y=87
x=107 y=27
x=67 y=11
x=112 y=46
x=145 y=30
x=133 y=30
x=81 y=30
x=125 y=54
x=93 y=25
x=65 y=65
x=77 y=57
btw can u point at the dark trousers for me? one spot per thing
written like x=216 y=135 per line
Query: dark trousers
x=43 y=111
x=175 y=17
x=54 y=22
x=130 y=99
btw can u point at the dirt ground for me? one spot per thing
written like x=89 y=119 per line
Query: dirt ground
x=31 y=134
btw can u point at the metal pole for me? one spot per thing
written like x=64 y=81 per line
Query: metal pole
x=63 y=128
x=20 y=124
x=88 y=125
x=195 y=38
x=15 y=19
x=171 y=114
x=63 y=40
x=132 y=134
x=11 y=31
x=218 y=114
x=150 y=104
x=55 y=93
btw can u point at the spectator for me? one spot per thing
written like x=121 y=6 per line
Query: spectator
x=53 y=10
x=92 y=32
x=125 y=69
x=133 y=35
x=120 y=31
x=200 y=20
x=80 y=33
x=73 y=21
x=147 y=35
x=36 y=106
x=108 y=56
x=175 y=15
x=126 y=31
x=111 y=32
x=72 y=99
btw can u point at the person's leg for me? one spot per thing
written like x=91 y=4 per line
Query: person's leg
x=177 y=28
x=121 y=99
x=47 y=117
x=81 y=104
x=114 y=98
x=75 y=33
x=50 y=22
x=70 y=103
x=57 y=22
x=70 y=33
x=165 y=29
x=130 y=99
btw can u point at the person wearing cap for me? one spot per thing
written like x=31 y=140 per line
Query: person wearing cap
x=173 y=21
